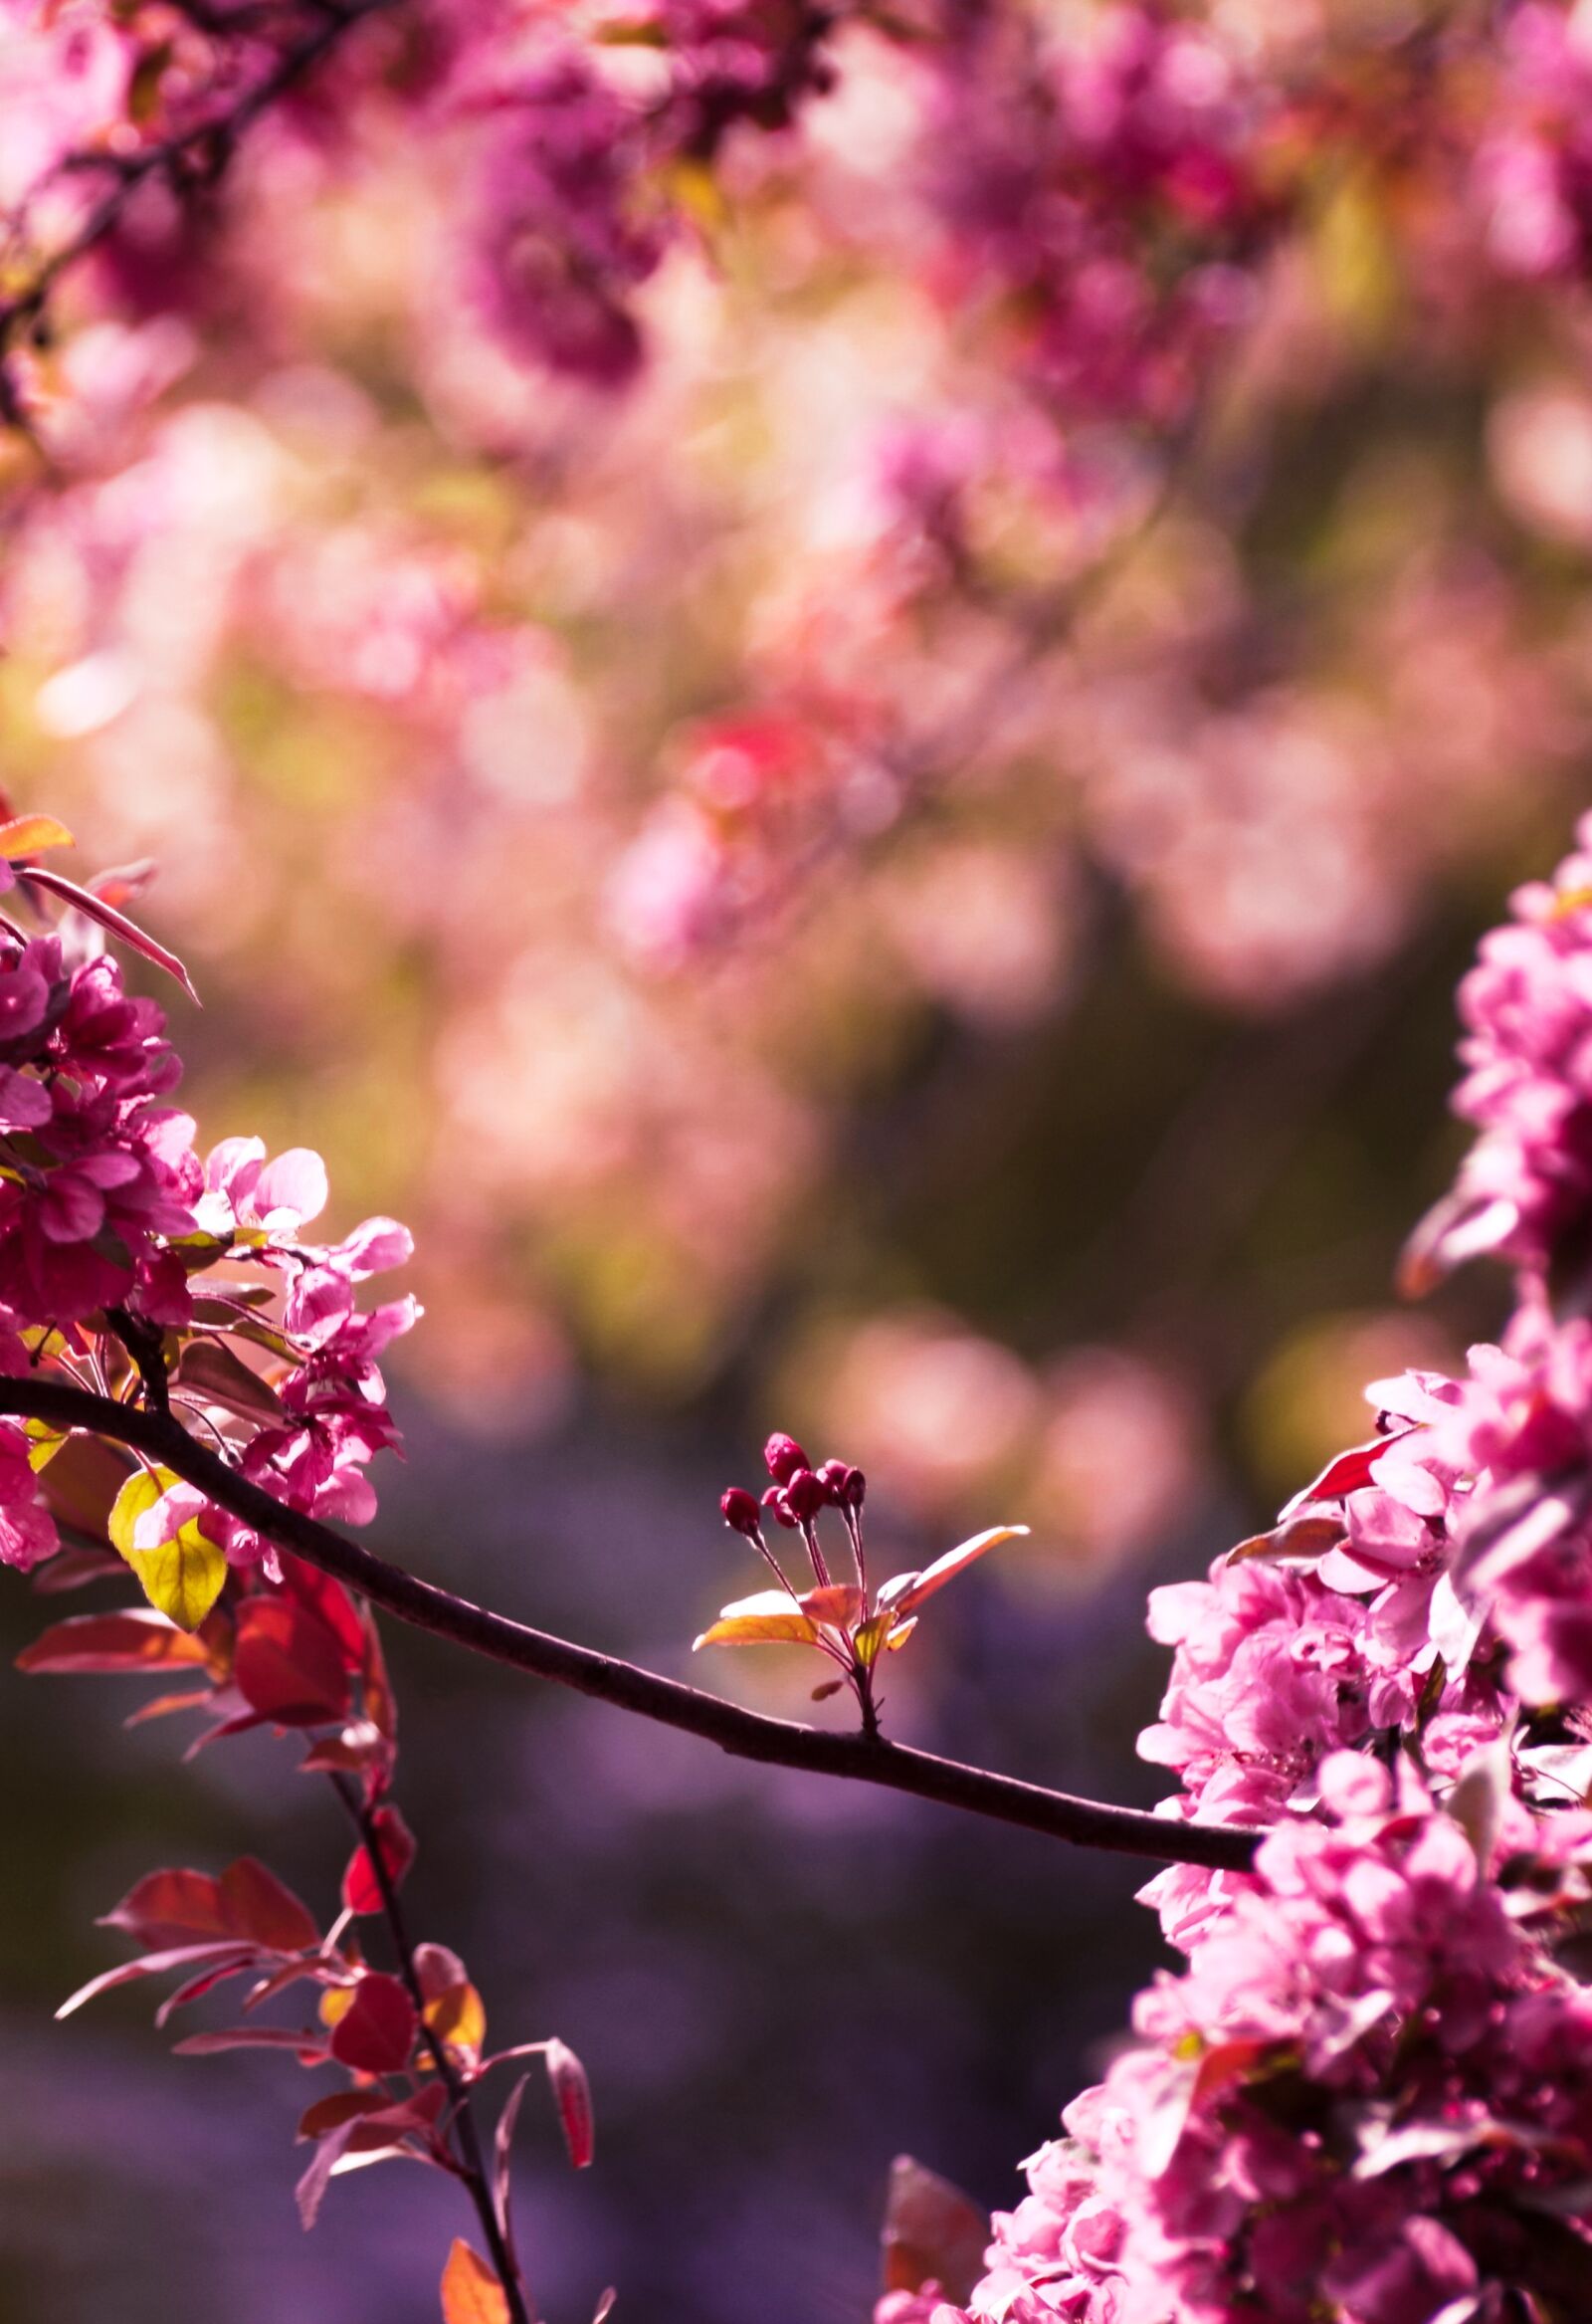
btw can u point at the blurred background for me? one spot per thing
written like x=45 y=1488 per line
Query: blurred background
x=826 y=902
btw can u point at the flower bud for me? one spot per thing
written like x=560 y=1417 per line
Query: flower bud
x=784 y=1456
x=774 y=1501
x=854 y=1490
x=832 y=1476
x=805 y=1495
x=740 y=1513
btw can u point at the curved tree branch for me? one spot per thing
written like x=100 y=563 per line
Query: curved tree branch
x=744 y=1733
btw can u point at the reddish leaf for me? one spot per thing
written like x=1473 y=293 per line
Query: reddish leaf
x=376 y=2032
x=326 y=1600
x=338 y=2106
x=82 y=1482
x=163 y=1706
x=440 y=1969
x=74 y=1570
x=221 y=1378
x=572 y=2097
x=381 y=1705
x=173 y=1907
x=362 y=1891
x=471 y=2293
x=116 y=922
x=310 y=2190
x=197 y=1987
x=355 y=1752
x=305 y=2046
x=501 y=2144
x=248 y=1903
x=257 y=1904
x=287 y=1665
x=137 y=1638
x=933 y=2233
x=154 y=1965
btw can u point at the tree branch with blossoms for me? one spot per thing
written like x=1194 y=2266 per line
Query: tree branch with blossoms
x=1379 y=1709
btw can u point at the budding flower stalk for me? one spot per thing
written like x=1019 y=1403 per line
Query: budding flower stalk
x=839 y=1619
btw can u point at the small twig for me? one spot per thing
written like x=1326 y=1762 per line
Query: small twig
x=469 y=2164
x=145 y=1344
x=197 y=155
x=743 y=1733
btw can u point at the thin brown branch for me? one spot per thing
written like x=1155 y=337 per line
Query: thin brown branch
x=743 y=1733
x=468 y=2161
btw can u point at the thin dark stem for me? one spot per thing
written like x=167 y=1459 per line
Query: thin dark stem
x=470 y=2164
x=145 y=1344
x=744 y=1733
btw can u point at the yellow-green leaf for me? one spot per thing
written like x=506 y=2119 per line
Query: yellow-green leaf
x=182 y=1577
x=787 y=1629
x=44 y=1442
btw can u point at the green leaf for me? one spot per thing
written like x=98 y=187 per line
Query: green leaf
x=182 y=1577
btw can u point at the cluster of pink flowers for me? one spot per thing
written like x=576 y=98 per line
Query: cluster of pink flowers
x=1525 y=1189
x=1370 y=2094
x=573 y=212
x=1371 y=2091
x=1108 y=183
x=111 y=1226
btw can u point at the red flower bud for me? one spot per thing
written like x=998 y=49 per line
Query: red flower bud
x=740 y=1512
x=854 y=1492
x=805 y=1495
x=784 y=1456
x=832 y=1476
x=774 y=1500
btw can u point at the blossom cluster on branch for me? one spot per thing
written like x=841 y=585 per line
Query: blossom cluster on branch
x=1372 y=2087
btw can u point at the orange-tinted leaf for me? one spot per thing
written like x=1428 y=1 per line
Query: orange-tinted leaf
x=572 y=2097
x=164 y=1705
x=840 y=1603
x=903 y=1601
x=361 y=1890
x=458 y=2018
x=769 y=1618
x=287 y=1664
x=137 y=1638
x=24 y=835
x=376 y=2032
x=933 y=2233
x=471 y=2293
